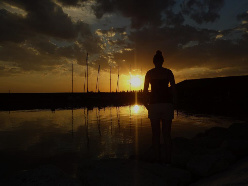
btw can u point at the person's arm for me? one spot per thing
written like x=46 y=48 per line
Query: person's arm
x=146 y=85
x=173 y=87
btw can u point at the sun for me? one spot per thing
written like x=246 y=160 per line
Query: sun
x=135 y=81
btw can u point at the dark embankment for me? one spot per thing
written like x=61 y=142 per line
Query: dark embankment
x=223 y=95
x=21 y=101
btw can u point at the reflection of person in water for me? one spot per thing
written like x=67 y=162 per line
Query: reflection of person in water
x=160 y=104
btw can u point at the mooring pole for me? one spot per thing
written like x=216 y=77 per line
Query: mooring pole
x=130 y=77
x=110 y=78
x=97 y=79
x=87 y=72
x=118 y=81
x=72 y=77
x=84 y=80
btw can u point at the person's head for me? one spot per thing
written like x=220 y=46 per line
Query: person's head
x=158 y=59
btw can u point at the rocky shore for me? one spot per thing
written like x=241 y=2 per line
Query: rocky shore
x=219 y=156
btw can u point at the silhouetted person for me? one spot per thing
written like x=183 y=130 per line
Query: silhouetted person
x=160 y=104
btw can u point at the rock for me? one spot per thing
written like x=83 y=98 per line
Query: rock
x=181 y=151
x=210 y=163
x=207 y=142
x=236 y=174
x=48 y=175
x=238 y=131
x=238 y=147
x=181 y=142
x=148 y=155
x=130 y=172
x=181 y=157
x=211 y=138
x=217 y=132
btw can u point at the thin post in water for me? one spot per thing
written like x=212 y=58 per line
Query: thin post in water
x=87 y=72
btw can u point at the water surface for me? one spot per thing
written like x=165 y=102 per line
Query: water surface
x=65 y=137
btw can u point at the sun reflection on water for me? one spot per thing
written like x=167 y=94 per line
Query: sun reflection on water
x=136 y=109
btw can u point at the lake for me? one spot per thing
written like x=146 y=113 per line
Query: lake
x=29 y=138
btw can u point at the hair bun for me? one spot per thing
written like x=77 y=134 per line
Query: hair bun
x=159 y=53
x=158 y=59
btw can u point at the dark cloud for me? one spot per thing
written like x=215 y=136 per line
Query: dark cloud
x=219 y=54
x=48 y=18
x=244 y=25
x=141 y=12
x=102 y=7
x=35 y=41
x=174 y=18
x=13 y=27
x=243 y=16
x=144 y=43
x=185 y=47
x=43 y=17
x=202 y=11
x=168 y=38
x=71 y=2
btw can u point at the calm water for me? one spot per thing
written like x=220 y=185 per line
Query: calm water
x=66 y=136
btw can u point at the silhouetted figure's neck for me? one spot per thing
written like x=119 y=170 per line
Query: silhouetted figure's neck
x=158 y=66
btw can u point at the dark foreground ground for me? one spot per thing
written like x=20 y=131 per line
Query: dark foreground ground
x=219 y=156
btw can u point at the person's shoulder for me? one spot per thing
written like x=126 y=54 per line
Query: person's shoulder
x=150 y=71
x=168 y=70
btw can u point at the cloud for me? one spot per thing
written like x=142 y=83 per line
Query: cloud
x=244 y=22
x=243 y=16
x=37 y=40
x=141 y=12
x=46 y=37
x=174 y=18
x=13 y=27
x=71 y=2
x=167 y=39
x=202 y=11
x=184 y=47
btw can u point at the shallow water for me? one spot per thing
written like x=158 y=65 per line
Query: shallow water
x=66 y=136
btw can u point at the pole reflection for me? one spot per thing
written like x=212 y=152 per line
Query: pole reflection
x=87 y=129
x=72 y=119
x=118 y=118
x=98 y=120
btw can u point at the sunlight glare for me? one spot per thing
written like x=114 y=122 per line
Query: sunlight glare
x=136 y=109
x=135 y=81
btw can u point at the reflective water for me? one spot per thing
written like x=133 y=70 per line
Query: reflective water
x=67 y=136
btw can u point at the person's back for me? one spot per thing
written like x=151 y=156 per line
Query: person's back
x=160 y=105
x=159 y=79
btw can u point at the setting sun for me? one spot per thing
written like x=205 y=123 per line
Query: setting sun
x=135 y=81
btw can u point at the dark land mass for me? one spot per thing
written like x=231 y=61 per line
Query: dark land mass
x=25 y=101
x=222 y=95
